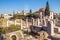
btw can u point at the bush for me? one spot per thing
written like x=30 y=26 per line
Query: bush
x=11 y=28
x=1 y=30
x=33 y=15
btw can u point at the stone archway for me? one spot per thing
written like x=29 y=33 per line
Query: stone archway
x=17 y=35
x=14 y=37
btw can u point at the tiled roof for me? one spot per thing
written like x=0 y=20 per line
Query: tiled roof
x=41 y=10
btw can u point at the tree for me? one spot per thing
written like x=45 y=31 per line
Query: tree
x=30 y=11
x=18 y=16
x=33 y=15
x=47 y=9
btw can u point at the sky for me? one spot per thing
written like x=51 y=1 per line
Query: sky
x=8 y=6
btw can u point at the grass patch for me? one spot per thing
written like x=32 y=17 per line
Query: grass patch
x=11 y=28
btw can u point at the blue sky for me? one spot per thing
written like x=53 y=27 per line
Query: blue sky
x=18 y=5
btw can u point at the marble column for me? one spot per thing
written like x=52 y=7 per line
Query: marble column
x=15 y=22
x=38 y=22
x=45 y=23
x=21 y=24
x=27 y=23
x=7 y=23
x=33 y=21
x=52 y=28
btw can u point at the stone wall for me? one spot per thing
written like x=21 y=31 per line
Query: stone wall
x=18 y=34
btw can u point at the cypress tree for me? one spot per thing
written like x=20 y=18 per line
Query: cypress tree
x=30 y=11
x=47 y=9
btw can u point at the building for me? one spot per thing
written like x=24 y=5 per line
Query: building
x=7 y=16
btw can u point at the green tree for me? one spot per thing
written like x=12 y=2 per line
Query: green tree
x=30 y=11
x=16 y=16
x=33 y=15
x=47 y=9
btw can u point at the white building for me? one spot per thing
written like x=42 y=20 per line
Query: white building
x=7 y=16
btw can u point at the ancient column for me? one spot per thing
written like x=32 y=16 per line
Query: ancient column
x=45 y=23
x=21 y=24
x=7 y=23
x=52 y=28
x=33 y=21
x=15 y=22
x=38 y=22
x=26 y=22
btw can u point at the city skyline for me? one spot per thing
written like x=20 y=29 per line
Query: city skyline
x=19 y=5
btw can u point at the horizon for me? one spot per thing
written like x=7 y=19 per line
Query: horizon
x=8 y=6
